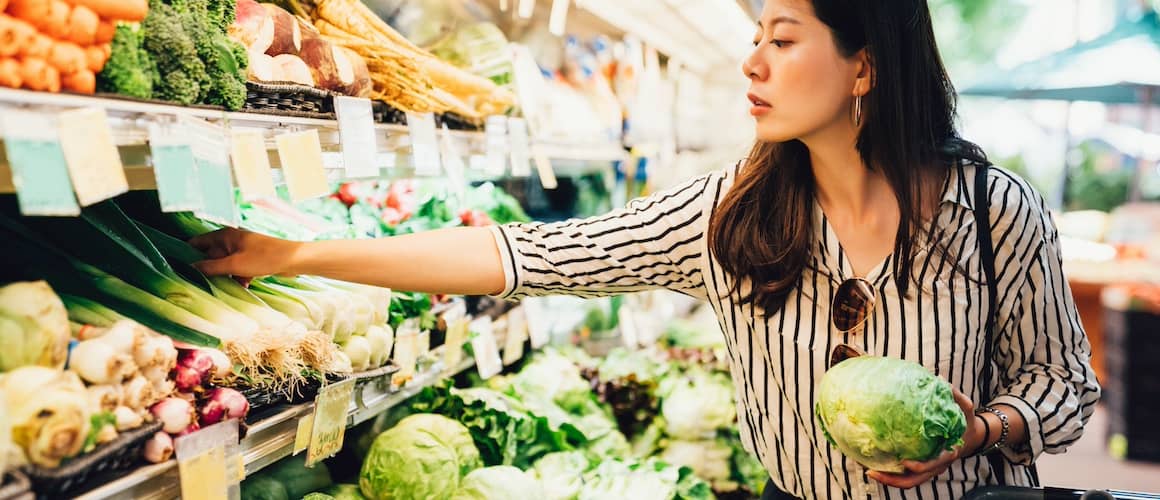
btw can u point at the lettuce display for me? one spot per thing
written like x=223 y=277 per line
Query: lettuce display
x=698 y=404
x=423 y=456
x=880 y=411
x=501 y=481
x=34 y=327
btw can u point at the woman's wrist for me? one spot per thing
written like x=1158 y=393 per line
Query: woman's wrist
x=299 y=258
x=983 y=435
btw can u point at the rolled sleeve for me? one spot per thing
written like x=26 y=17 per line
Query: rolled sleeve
x=1043 y=353
x=654 y=242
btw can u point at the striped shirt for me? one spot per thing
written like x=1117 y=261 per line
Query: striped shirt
x=777 y=359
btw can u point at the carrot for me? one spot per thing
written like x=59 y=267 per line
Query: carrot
x=117 y=10
x=82 y=82
x=56 y=24
x=14 y=34
x=82 y=26
x=39 y=46
x=10 y=73
x=96 y=56
x=3 y=5
x=106 y=30
x=39 y=75
x=33 y=11
x=68 y=57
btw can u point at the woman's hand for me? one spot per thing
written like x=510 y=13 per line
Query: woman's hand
x=244 y=254
x=921 y=472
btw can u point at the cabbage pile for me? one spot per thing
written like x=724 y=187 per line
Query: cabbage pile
x=880 y=411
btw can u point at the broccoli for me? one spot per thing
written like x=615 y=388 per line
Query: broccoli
x=196 y=61
x=130 y=69
x=181 y=74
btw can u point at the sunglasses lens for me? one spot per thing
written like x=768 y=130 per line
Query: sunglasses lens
x=852 y=304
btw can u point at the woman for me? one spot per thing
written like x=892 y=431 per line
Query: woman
x=858 y=178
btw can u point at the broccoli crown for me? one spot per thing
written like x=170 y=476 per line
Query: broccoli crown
x=181 y=74
x=130 y=69
x=205 y=65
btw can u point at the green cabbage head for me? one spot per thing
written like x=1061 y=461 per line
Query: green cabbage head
x=501 y=481
x=423 y=456
x=880 y=411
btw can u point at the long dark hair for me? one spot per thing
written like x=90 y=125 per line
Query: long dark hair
x=763 y=231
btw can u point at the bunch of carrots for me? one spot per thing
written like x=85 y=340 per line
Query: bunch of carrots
x=54 y=45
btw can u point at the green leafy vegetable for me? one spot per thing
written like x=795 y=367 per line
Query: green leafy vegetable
x=130 y=69
x=424 y=456
x=496 y=482
x=880 y=411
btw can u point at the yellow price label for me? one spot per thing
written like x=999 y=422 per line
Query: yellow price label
x=330 y=411
x=301 y=157
x=203 y=476
x=251 y=164
x=457 y=333
x=302 y=436
x=94 y=164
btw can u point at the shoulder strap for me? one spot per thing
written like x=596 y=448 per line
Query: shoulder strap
x=987 y=258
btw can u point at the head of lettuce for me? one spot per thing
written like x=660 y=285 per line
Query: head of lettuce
x=423 y=456
x=881 y=411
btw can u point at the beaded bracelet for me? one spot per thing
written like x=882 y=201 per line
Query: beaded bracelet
x=1006 y=427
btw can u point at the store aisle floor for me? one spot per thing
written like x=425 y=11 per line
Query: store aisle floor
x=1088 y=465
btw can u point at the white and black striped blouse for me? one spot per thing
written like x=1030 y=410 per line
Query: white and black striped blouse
x=777 y=359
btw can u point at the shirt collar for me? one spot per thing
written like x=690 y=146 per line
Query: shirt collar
x=956 y=189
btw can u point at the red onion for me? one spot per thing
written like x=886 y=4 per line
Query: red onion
x=175 y=414
x=233 y=403
x=159 y=448
x=193 y=427
x=187 y=378
x=196 y=359
x=211 y=412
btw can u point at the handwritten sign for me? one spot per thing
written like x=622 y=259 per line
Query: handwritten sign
x=329 y=430
x=301 y=157
x=94 y=164
x=207 y=463
x=251 y=164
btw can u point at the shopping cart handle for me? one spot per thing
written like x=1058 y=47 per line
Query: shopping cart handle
x=1017 y=493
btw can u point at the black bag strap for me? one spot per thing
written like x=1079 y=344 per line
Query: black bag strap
x=987 y=258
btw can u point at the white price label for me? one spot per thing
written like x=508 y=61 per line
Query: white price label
x=424 y=143
x=520 y=150
x=517 y=333
x=628 y=328
x=301 y=157
x=94 y=164
x=251 y=163
x=484 y=346
x=558 y=19
x=356 y=129
x=539 y=328
x=497 y=143
x=545 y=171
x=453 y=163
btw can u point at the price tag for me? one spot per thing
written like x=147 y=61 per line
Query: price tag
x=251 y=164
x=424 y=143
x=484 y=347
x=453 y=162
x=356 y=129
x=517 y=333
x=406 y=351
x=628 y=328
x=539 y=328
x=94 y=164
x=558 y=19
x=545 y=171
x=178 y=185
x=526 y=8
x=457 y=332
x=301 y=157
x=330 y=408
x=521 y=153
x=211 y=156
x=39 y=171
x=302 y=435
x=207 y=463
x=497 y=143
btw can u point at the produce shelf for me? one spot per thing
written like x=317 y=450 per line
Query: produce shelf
x=272 y=439
x=129 y=121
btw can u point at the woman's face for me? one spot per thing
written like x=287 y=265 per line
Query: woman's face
x=800 y=83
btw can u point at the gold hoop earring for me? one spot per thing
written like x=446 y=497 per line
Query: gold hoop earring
x=858 y=111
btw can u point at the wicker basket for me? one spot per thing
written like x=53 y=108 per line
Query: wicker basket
x=289 y=99
x=121 y=454
x=15 y=486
